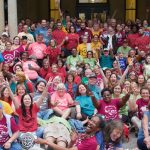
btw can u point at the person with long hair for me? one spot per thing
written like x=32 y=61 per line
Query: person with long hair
x=28 y=110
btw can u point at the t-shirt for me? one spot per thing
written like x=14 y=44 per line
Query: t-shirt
x=28 y=123
x=28 y=35
x=63 y=102
x=86 y=105
x=37 y=49
x=142 y=106
x=109 y=110
x=4 y=135
x=6 y=107
x=72 y=61
x=106 y=61
x=32 y=74
x=72 y=41
x=8 y=56
x=87 y=144
x=122 y=62
x=124 y=50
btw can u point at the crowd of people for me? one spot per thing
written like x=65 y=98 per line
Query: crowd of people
x=75 y=84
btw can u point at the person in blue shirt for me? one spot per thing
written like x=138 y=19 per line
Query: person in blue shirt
x=85 y=106
x=42 y=30
x=92 y=80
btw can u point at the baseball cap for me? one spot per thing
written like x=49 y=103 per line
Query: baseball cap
x=106 y=49
x=92 y=75
x=5 y=34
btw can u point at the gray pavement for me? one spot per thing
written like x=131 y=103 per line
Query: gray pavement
x=131 y=145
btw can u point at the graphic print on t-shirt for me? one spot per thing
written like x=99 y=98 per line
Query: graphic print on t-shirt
x=110 y=111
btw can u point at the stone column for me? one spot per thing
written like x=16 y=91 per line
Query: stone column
x=12 y=18
x=2 y=17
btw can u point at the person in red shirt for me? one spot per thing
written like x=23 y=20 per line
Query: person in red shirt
x=143 y=42
x=72 y=40
x=45 y=68
x=8 y=132
x=109 y=107
x=52 y=52
x=54 y=72
x=84 y=32
x=133 y=36
x=61 y=67
x=28 y=110
x=59 y=35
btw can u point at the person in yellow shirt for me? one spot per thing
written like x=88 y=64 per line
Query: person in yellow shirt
x=96 y=30
x=84 y=47
x=6 y=107
x=96 y=46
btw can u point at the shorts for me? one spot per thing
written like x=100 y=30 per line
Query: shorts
x=57 y=130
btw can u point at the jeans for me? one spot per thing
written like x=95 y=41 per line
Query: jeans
x=141 y=144
x=14 y=146
x=39 y=132
x=45 y=114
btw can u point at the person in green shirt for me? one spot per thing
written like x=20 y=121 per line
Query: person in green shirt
x=124 y=49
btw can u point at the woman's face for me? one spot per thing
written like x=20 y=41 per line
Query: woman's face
x=70 y=78
x=24 y=56
x=46 y=64
x=117 y=89
x=61 y=92
x=27 y=100
x=89 y=54
x=92 y=125
x=108 y=73
x=132 y=76
x=21 y=91
x=115 y=135
x=41 y=86
x=60 y=64
x=52 y=43
x=107 y=96
x=140 y=79
x=6 y=93
x=72 y=29
x=8 y=46
x=148 y=83
x=115 y=64
x=6 y=67
x=127 y=84
x=145 y=94
x=113 y=78
x=16 y=41
x=18 y=68
x=82 y=89
x=148 y=59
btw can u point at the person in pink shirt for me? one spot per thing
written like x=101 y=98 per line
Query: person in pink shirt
x=31 y=68
x=62 y=100
x=109 y=107
x=37 y=49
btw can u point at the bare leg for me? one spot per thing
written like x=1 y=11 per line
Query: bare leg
x=50 y=139
x=61 y=142
x=66 y=113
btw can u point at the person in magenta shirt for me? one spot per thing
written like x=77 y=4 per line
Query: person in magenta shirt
x=109 y=107
x=86 y=141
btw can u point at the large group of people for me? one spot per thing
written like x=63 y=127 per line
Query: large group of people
x=75 y=84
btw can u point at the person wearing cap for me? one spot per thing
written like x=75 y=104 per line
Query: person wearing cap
x=92 y=79
x=124 y=49
x=9 y=132
x=106 y=59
